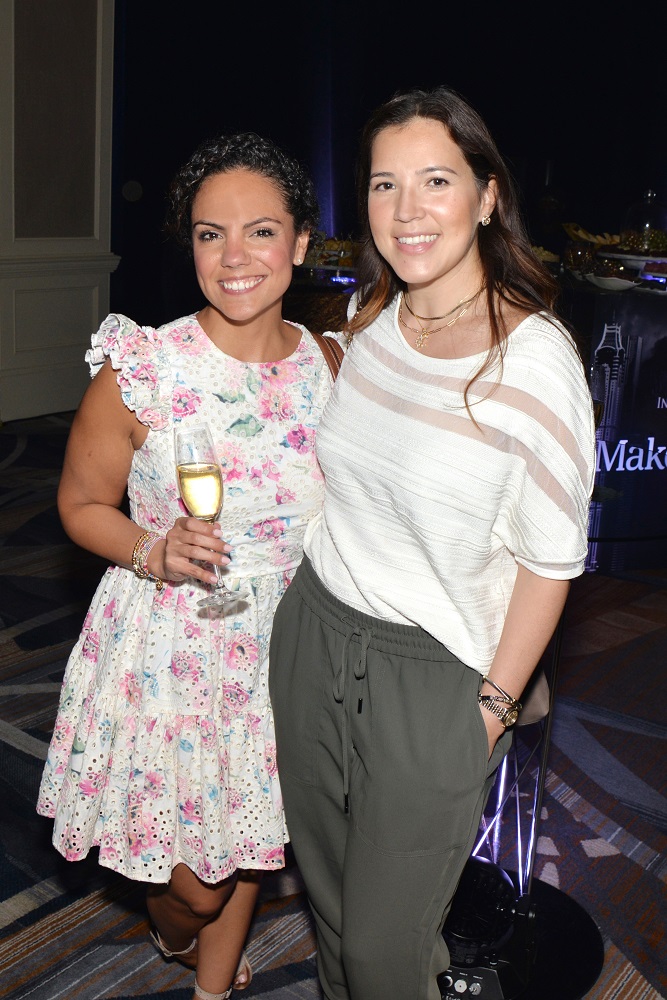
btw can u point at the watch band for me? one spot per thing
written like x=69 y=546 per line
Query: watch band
x=508 y=714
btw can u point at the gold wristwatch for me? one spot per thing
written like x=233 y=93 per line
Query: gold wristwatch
x=503 y=705
x=508 y=713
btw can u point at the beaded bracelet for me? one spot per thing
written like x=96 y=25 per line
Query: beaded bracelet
x=140 y=552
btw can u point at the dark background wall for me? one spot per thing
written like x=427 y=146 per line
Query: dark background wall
x=576 y=93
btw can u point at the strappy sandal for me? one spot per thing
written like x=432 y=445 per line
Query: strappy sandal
x=182 y=956
x=245 y=968
x=154 y=935
x=205 y=995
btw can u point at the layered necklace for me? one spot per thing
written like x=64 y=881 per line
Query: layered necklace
x=423 y=334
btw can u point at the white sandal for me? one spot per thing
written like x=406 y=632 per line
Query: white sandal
x=244 y=966
x=205 y=995
x=161 y=946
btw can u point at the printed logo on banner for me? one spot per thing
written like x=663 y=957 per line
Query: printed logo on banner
x=630 y=459
x=628 y=379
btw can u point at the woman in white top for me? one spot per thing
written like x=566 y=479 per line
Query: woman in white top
x=458 y=453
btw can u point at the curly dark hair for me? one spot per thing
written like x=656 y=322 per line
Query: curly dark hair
x=243 y=151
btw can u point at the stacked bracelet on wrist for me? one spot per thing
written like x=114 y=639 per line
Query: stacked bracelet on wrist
x=140 y=553
x=506 y=698
x=503 y=705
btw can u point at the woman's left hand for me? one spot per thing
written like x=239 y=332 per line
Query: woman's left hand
x=536 y=604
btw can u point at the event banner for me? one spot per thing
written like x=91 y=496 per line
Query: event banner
x=628 y=379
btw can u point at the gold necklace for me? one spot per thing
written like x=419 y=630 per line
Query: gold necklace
x=433 y=319
x=423 y=335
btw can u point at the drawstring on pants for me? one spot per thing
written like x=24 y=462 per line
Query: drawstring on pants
x=339 y=691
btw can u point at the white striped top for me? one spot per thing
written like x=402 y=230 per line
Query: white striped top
x=427 y=515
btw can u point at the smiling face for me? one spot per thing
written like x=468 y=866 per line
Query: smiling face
x=244 y=245
x=424 y=208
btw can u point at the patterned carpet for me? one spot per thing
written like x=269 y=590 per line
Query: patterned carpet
x=79 y=932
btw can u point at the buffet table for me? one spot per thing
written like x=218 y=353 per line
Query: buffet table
x=318 y=297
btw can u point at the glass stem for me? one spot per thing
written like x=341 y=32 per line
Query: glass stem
x=220 y=585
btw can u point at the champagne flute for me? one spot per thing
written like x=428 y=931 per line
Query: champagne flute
x=200 y=484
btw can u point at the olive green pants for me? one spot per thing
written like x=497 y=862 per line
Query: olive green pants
x=383 y=762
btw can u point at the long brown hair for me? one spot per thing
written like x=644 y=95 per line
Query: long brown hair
x=511 y=269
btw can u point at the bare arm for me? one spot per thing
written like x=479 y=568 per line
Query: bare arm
x=533 y=613
x=102 y=442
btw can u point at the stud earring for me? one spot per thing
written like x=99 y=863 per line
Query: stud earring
x=486 y=220
x=299 y=261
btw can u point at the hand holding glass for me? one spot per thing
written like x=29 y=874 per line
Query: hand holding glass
x=200 y=483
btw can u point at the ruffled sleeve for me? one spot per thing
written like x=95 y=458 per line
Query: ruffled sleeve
x=138 y=356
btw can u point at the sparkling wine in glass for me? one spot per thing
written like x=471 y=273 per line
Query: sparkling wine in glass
x=200 y=484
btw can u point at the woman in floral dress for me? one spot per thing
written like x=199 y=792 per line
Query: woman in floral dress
x=163 y=753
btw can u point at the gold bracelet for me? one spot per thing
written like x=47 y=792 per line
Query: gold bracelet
x=140 y=552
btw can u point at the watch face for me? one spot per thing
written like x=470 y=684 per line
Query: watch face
x=511 y=717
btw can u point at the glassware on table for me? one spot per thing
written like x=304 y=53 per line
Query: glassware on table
x=579 y=257
x=200 y=485
x=644 y=229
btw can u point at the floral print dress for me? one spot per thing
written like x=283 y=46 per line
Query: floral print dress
x=163 y=749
